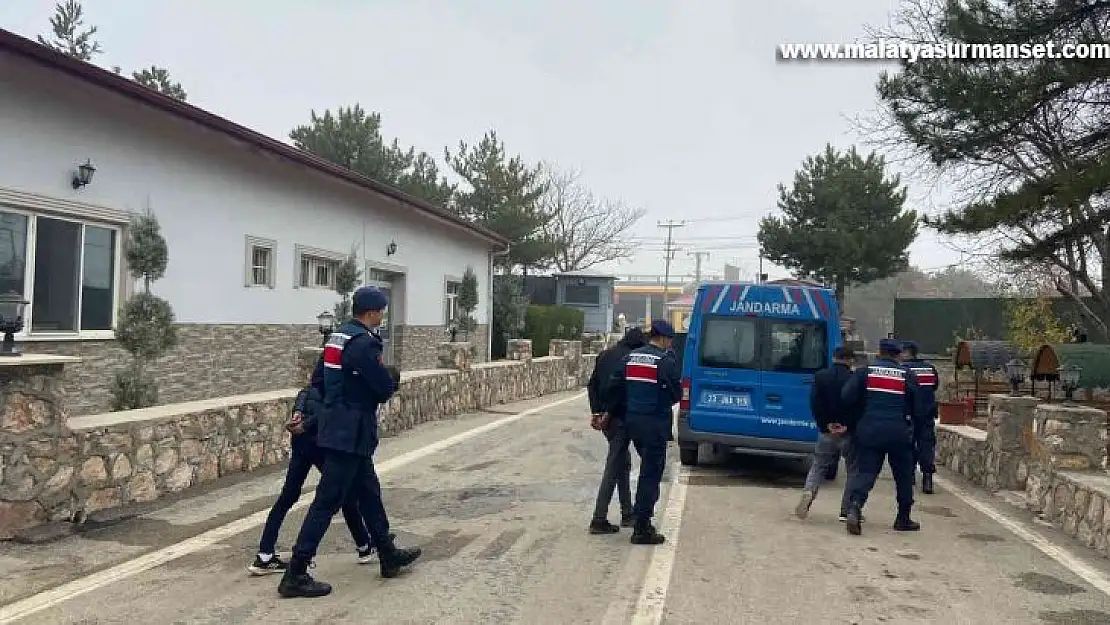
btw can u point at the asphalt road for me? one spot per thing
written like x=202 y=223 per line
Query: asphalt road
x=501 y=512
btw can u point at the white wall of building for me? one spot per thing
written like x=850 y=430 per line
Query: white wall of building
x=209 y=194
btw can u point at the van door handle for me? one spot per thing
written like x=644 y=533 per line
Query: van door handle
x=775 y=399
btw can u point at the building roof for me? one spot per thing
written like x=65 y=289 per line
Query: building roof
x=586 y=273
x=121 y=85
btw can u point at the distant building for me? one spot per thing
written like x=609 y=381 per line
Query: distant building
x=590 y=292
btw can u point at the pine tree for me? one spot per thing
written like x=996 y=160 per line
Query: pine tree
x=70 y=34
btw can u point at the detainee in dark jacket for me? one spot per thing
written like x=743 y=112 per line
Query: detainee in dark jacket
x=834 y=426
x=618 y=462
x=305 y=455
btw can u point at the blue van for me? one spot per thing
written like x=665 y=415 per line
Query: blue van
x=748 y=366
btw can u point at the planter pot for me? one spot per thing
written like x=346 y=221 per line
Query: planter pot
x=952 y=413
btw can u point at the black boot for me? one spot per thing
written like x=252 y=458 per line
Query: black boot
x=298 y=583
x=854 y=520
x=927 y=483
x=627 y=520
x=644 y=533
x=903 y=522
x=394 y=559
x=603 y=526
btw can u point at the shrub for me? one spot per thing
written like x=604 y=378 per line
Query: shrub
x=543 y=323
x=146 y=327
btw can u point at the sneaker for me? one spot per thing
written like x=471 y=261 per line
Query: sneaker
x=261 y=567
x=802 y=509
x=844 y=517
x=603 y=526
x=366 y=556
x=647 y=535
x=301 y=584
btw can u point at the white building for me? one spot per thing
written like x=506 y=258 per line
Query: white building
x=255 y=230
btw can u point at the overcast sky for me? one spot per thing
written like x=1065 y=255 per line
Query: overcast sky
x=678 y=106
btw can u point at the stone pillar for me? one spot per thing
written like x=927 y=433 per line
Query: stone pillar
x=1009 y=441
x=519 y=349
x=306 y=362
x=38 y=453
x=558 y=347
x=455 y=356
x=1069 y=438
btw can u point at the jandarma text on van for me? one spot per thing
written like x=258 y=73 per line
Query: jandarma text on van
x=900 y=50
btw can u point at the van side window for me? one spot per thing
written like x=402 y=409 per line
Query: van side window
x=729 y=343
x=798 y=346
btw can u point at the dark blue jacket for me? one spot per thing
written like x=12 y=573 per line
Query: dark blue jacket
x=883 y=401
x=309 y=402
x=649 y=384
x=928 y=381
x=356 y=382
x=608 y=362
x=824 y=398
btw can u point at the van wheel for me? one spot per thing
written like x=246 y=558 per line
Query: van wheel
x=688 y=456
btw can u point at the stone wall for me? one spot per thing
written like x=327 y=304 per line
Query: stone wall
x=1054 y=455
x=963 y=449
x=209 y=361
x=205 y=365
x=416 y=345
x=50 y=472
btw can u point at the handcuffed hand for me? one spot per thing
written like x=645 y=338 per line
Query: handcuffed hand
x=599 y=421
x=837 y=429
x=295 y=425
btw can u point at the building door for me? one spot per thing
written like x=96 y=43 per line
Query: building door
x=387 y=282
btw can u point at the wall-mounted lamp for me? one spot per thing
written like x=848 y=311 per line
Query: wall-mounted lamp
x=83 y=175
x=391 y=249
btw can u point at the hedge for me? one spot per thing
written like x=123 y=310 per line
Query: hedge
x=543 y=323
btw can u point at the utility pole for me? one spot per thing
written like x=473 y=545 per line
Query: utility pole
x=669 y=250
x=697 y=265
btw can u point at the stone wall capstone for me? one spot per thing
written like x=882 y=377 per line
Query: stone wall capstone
x=51 y=473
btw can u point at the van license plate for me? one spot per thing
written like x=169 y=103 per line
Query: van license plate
x=717 y=399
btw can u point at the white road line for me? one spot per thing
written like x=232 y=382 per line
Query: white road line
x=653 y=597
x=43 y=600
x=1086 y=572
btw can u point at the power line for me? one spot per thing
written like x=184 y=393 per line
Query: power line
x=697 y=265
x=669 y=250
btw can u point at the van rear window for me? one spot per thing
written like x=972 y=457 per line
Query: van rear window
x=797 y=346
x=734 y=342
x=729 y=343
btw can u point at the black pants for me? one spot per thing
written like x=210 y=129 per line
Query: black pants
x=305 y=456
x=617 y=474
x=869 y=457
x=649 y=435
x=344 y=476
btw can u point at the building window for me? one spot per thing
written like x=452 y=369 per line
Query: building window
x=71 y=279
x=316 y=268
x=260 y=261
x=318 y=273
x=451 y=301
x=582 y=295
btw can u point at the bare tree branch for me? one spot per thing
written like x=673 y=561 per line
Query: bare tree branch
x=584 y=229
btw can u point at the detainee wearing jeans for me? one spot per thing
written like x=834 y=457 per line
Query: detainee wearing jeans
x=834 y=439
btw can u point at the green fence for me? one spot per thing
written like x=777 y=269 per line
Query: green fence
x=937 y=324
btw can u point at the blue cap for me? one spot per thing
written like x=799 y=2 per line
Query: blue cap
x=908 y=345
x=893 y=346
x=368 y=298
x=660 y=327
